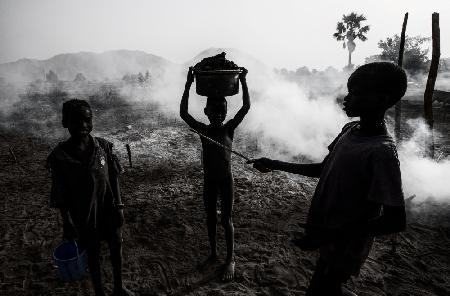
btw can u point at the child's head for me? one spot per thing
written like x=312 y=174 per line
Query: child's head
x=373 y=88
x=77 y=118
x=216 y=109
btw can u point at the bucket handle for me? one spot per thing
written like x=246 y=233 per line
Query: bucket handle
x=76 y=246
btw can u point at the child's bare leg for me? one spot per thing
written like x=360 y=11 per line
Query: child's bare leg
x=115 y=248
x=210 y=200
x=228 y=274
x=211 y=221
x=323 y=282
x=227 y=223
x=93 y=252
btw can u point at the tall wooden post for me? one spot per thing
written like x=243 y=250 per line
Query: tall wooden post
x=398 y=105
x=432 y=74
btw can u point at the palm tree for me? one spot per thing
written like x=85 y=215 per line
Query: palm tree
x=350 y=29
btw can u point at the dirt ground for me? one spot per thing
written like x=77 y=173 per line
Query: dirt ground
x=165 y=234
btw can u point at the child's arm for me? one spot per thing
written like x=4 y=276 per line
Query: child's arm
x=69 y=231
x=265 y=165
x=57 y=198
x=114 y=181
x=114 y=170
x=184 y=114
x=233 y=123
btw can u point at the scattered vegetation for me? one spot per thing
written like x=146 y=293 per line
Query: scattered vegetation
x=415 y=56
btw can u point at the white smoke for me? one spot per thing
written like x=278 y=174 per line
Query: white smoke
x=289 y=122
x=286 y=121
x=421 y=176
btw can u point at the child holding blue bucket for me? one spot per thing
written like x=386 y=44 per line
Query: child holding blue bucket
x=85 y=188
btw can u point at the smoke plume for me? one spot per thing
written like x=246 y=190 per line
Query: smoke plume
x=423 y=177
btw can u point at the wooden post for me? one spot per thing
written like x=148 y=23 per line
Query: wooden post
x=129 y=155
x=432 y=74
x=398 y=105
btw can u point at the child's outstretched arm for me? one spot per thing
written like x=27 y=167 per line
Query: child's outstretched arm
x=184 y=113
x=265 y=165
x=245 y=101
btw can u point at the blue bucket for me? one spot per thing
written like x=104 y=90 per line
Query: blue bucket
x=71 y=261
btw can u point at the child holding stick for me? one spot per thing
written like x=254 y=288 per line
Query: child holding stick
x=359 y=193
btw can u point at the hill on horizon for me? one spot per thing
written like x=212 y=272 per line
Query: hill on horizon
x=94 y=66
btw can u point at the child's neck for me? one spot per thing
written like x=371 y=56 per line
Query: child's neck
x=372 y=126
x=80 y=143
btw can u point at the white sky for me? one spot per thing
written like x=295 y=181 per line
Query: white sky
x=281 y=33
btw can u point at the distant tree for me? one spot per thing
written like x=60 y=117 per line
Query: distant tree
x=140 y=78
x=147 y=76
x=51 y=77
x=126 y=78
x=350 y=29
x=415 y=56
x=80 y=77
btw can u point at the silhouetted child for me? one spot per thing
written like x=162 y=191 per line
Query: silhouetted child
x=218 y=178
x=359 y=193
x=85 y=187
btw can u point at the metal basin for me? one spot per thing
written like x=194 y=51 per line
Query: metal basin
x=217 y=82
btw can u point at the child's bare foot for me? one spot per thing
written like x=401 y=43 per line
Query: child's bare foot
x=228 y=272
x=122 y=292
x=211 y=260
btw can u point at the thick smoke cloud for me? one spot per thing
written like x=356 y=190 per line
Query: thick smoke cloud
x=423 y=177
x=289 y=123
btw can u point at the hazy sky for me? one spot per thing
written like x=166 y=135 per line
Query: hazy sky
x=281 y=33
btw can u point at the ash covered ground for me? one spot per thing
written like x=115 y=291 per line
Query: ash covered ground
x=165 y=233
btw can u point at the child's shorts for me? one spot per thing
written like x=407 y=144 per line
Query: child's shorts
x=346 y=256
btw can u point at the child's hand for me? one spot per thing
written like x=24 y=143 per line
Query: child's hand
x=243 y=74
x=264 y=165
x=119 y=218
x=190 y=76
x=69 y=231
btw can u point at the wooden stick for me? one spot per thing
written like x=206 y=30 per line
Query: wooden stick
x=129 y=155
x=432 y=74
x=223 y=146
x=398 y=105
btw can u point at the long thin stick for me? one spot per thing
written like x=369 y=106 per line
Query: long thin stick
x=428 y=95
x=398 y=106
x=221 y=145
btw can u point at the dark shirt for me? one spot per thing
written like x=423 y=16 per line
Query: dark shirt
x=360 y=174
x=84 y=188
